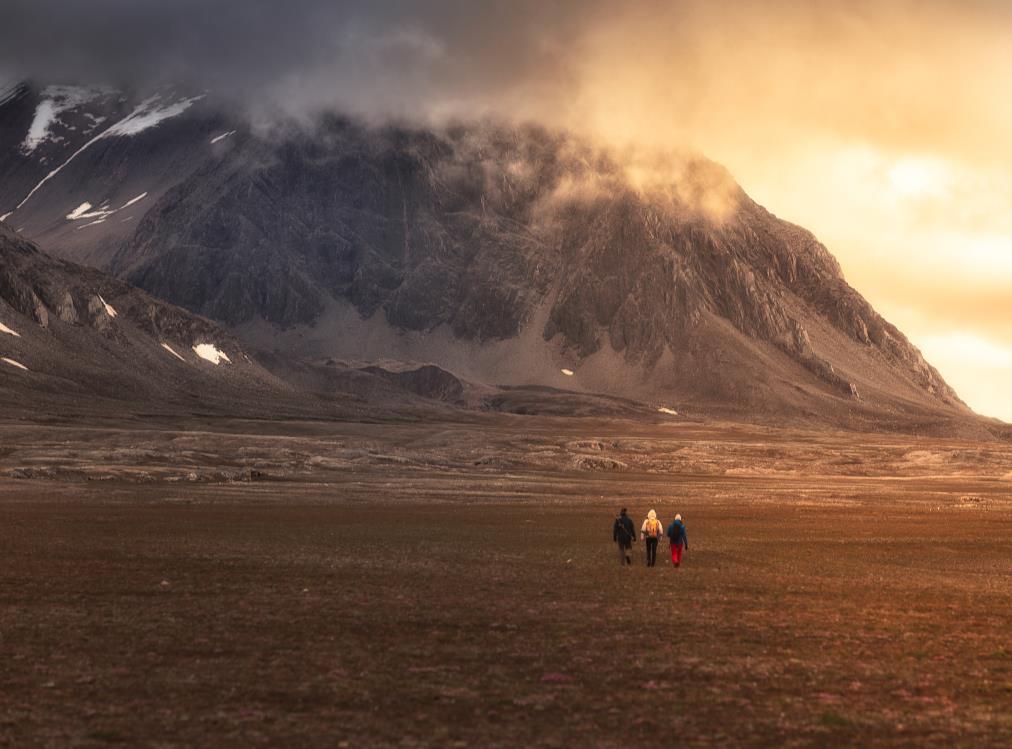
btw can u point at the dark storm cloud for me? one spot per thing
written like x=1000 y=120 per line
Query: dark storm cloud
x=662 y=65
x=307 y=53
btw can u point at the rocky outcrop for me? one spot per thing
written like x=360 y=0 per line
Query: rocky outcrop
x=428 y=381
x=44 y=289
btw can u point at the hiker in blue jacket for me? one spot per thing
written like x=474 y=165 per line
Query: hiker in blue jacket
x=678 y=539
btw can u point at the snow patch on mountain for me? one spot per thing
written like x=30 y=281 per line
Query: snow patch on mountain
x=150 y=113
x=84 y=210
x=58 y=169
x=45 y=114
x=222 y=137
x=80 y=212
x=147 y=114
x=57 y=100
x=95 y=120
x=132 y=201
x=211 y=353
x=8 y=331
x=172 y=351
x=108 y=307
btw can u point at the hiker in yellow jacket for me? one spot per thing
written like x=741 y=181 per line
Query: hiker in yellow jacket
x=651 y=532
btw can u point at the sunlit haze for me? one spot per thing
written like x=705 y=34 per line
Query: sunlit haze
x=880 y=127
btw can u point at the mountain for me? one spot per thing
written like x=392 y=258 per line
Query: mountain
x=506 y=255
x=75 y=340
x=95 y=154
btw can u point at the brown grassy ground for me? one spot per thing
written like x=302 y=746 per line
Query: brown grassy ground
x=439 y=608
x=433 y=584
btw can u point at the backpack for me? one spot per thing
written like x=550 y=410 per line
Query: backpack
x=653 y=528
x=622 y=533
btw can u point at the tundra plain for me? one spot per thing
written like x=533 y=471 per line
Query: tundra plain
x=212 y=582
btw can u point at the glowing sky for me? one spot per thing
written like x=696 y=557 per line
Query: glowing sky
x=883 y=126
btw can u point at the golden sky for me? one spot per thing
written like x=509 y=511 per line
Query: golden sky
x=885 y=128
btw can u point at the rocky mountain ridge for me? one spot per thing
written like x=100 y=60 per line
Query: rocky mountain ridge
x=76 y=342
x=508 y=255
x=73 y=340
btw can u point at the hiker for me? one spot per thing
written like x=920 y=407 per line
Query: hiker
x=678 y=538
x=651 y=533
x=623 y=533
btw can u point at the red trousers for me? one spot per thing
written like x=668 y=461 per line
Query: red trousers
x=676 y=554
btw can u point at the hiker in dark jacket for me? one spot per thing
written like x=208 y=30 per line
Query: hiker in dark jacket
x=623 y=533
x=678 y=539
